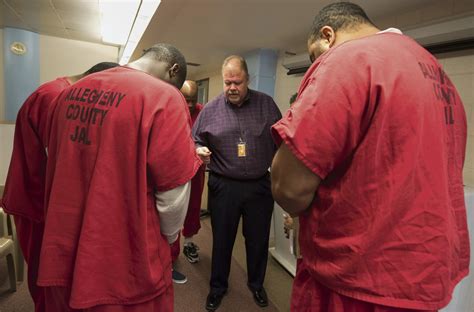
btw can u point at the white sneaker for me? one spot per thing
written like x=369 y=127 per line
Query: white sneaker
x=190 y=251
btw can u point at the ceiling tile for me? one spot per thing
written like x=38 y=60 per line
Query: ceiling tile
x=42 y=18
x=85 y=36
x=79 y=17
x=83 y=27
x=11 y=20
x=54 y=31
x=82 y=7
x=3 y=9
x=24 y=6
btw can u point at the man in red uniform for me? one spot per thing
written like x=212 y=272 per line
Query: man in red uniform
x=371 y=161
x=24 y=188
x=192 y=222
x=119 y=149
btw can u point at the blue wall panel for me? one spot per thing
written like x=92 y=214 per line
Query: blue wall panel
x=21 y=72
x=262 y=65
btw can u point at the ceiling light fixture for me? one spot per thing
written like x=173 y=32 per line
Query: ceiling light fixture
x=145 y=14
x=117 y=18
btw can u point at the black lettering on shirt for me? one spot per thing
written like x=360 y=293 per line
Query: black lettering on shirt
x=443 y=89
x=80 y=136
x=83 y=110
x=84 y=95
x=120 y=98
x=76 y=97
x=68 y=95
x=103 y=100
x=92 y=96
x=99 y=95
x=111 y=98
x=103 y=112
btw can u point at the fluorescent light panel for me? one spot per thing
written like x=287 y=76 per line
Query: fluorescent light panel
x=145 y=14
x=117 y=17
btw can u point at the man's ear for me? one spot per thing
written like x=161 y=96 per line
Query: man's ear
x=174 y=70
x=328 y=36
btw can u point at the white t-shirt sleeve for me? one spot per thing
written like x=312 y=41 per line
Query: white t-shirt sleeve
x=172 y=207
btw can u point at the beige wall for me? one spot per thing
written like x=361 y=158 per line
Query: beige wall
x=2 y=80
x=215 y=82
x=64 y=57
x=285 y=86
x=425 y=15
x=460 y=68
x=6 y=138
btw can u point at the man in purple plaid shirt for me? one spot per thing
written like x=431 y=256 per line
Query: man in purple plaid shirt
x=232 y=135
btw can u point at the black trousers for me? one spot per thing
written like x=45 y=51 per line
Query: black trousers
x=229 y=200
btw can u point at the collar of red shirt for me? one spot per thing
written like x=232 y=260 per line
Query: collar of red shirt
x=391 y=30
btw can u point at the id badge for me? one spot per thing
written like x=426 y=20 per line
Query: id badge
x=241 y=152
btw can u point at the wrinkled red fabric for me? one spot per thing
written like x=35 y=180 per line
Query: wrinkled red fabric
x=381 y=124
x=57 y=299
x=310 y=296
x=192 y=222
x=24 y=188
x=23 y=196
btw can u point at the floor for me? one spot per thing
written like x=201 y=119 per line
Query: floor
x=192 y=295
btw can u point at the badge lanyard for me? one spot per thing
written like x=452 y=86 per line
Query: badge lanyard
x=241 y=151
x=241 y=145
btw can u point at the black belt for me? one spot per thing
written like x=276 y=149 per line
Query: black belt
x=266 y=175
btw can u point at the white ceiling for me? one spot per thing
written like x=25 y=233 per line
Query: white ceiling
x=73 y=19
x=206 y=31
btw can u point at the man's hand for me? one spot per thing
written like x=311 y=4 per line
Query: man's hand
x=287 y=221
x=287 y=224
x=204 y=153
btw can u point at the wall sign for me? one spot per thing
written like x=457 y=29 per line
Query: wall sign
x=18 y=48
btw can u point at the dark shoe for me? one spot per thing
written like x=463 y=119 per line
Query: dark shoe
x=204 y=213
x=213 y=301
x=190 y=250
x=178 y=277
x=260 y=297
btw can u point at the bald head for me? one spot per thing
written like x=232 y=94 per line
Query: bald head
x=236 y=79
x=236 y=61
x=189 y=89
x=163 y=61
x=190 y=93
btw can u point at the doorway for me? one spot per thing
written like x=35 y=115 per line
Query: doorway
x=203 y=90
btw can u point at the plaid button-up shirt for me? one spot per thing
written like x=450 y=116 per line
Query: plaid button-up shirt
x=222 y=126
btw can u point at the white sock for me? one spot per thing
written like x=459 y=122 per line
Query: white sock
x=188 y=240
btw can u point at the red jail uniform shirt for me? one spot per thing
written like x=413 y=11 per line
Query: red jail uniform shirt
x=117 y=137
x=381 y=124
x=23 y=196
x=24 y=187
